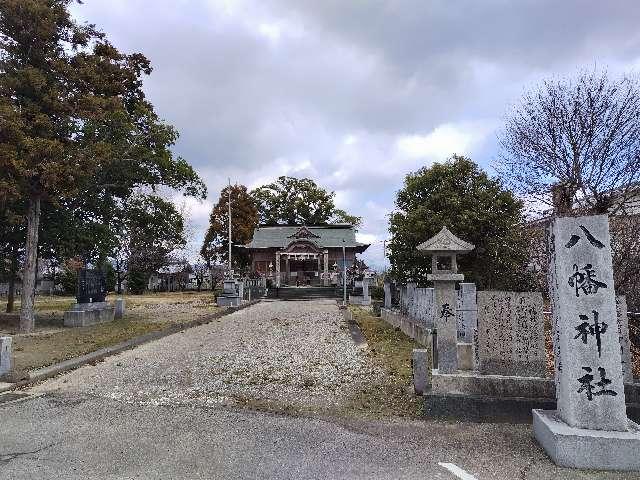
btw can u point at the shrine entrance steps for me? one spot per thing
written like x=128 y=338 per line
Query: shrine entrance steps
x=303 y=293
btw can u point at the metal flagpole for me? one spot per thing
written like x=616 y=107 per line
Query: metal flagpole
x=230 y=275
x=344 y=276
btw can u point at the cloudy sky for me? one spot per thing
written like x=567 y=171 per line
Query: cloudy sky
x=353 y=93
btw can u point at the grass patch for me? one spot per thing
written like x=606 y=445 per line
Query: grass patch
x=391 y=394
x=52 y=342
x=34 y=351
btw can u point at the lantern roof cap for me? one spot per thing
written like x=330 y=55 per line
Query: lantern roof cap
x=445 y=242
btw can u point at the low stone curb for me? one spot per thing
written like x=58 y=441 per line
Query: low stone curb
x=73 y=363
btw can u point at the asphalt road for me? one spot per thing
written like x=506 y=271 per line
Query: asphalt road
x=84 y=433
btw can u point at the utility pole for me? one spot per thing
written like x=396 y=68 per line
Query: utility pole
x=229 y=202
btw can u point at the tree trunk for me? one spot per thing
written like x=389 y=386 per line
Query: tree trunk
x=27 y=310
x=13 y=270
x=11 y=294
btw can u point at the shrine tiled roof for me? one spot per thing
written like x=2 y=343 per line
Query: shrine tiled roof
x=324 y=236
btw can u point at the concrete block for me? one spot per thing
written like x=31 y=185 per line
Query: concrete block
x=583 y=448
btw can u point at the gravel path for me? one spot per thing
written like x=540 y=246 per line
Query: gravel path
x=283 y=355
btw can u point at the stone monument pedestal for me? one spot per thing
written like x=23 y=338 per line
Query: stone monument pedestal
x=228 y=301
x=86 y=314
x=583 y=448
x=360 y=295
x=229 y=297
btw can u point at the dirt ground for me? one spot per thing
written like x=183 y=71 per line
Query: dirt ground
x=51 y=342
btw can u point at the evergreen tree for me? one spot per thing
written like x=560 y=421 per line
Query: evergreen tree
x=476 y=208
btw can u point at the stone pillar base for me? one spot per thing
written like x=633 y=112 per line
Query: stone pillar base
x=465 y=356
x=359 y=300
x=581 y=448
x=228 y=301
x=87 y=314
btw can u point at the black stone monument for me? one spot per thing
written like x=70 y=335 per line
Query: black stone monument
x=92 y=286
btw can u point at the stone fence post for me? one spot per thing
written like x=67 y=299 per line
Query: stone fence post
x=467 y=312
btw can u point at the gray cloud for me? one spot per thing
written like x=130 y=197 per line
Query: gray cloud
x=354 y=94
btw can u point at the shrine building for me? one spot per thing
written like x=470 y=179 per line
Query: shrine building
x=297 y=255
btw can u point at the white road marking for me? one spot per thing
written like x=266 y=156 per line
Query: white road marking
x=457 y=471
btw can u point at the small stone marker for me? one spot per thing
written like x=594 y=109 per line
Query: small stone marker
x=5 y=356
x=590 y=428
x=444 y=248
x=623 y=336
x=420 y=368
x=120 y=307
x=511 y=334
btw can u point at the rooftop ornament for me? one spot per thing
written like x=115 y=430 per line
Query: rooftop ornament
x=444 y=249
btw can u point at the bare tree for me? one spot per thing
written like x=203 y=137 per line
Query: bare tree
x=200 y=270
x=581 y=135
x=625 y=242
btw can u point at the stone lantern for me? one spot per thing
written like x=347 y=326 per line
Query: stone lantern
x=444 y=249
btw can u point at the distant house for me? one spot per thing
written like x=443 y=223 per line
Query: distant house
x=303 y=254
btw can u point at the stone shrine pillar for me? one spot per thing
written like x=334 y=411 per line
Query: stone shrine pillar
x=365 y=290
x=445 y=304
x=444 y=247
x=287 y=270
x=411 y=298
x=590 y=428
x=277 y=269
x=387 y=295
x=467 y=312
x=325 y=270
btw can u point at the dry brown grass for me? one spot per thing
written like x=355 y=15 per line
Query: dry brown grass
x=51 y=342
x=391 y=394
